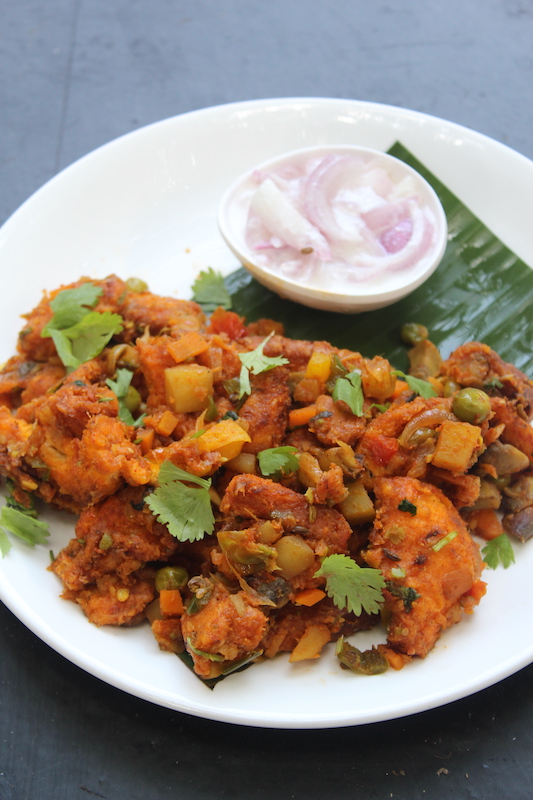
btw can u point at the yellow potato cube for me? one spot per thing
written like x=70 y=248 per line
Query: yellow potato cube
x=311 y=643
x=227 y=437
x=456 y=445
x=188 y=387
x=357 y=506
x=294 y=555
x=319 y=366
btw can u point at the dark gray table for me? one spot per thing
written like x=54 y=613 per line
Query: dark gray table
x=77 y=73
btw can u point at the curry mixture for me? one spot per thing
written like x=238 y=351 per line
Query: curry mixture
x=247 y=494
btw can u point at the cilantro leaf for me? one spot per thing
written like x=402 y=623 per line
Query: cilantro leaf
x=169 y=472
x=11 y=502
x=121 y=388
x=350 y=586
x=90 y=336
x=278 y=460
x=423 y=388
x=87 y=338
x=185 y=510
x=256 y=362
x=31 y=530
x=78 y=333
x=210 y=292
x=406 y=505
x=349 y=389
x=405 y=593
x=71 y=305
x=498 y=550
x=381 y=407
x=493 y=383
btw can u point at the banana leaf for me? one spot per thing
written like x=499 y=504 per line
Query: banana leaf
x=481 y=291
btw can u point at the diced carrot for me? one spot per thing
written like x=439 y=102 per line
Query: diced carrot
x=167 y=423
x=145 y=438
x=170 y=603
x=308 y=597
x=187 y=346
x=301 y=416
x=400 y=387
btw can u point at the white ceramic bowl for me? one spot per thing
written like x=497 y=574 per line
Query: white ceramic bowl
x=358 y=296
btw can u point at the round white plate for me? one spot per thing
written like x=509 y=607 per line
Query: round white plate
x=145 y=205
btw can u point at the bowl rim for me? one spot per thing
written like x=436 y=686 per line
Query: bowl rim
x=289 y=286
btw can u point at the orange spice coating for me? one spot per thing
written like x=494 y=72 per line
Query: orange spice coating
x=401 y=542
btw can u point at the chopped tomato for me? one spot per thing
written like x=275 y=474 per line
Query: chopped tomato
x=227 y=322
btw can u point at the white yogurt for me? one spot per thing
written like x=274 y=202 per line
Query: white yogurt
x=346 y=220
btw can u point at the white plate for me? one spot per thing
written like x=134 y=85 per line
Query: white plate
x=145 y=205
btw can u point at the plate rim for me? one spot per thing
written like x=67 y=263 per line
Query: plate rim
x=27 y=614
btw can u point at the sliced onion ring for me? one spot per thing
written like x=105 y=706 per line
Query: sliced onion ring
x=429 y=418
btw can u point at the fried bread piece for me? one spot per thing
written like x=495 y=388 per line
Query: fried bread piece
x=75 y=449
x=476 y=364
x=228 y=627
x=251 y=497
x=428 y=559
x=266 y=410
x=117 y=536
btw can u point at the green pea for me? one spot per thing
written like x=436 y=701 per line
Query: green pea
x=451 y=387
x=132 y=401
x=136 y=285
x=412 y=332
x=471 y=405
x=171 y=578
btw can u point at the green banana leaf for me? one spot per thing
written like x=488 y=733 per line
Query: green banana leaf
x=481 y=291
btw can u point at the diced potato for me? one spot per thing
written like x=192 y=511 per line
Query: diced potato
x=319 y=366
x=486 y=523
x=424 y=360
x=268 y=533
x=357 y=506
x=456 y=445
x=377 y=379
x=188 y=387
x=308 y=390
x=311 y=643
x=489 y=496
x=244 y=462
x=227 y=437
x=309 y=471
x=294 y=555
